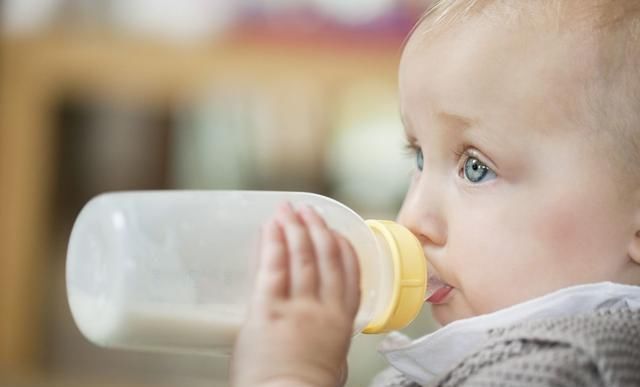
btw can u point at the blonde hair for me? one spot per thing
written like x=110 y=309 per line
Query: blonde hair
x=604 y=13
x=611 y=100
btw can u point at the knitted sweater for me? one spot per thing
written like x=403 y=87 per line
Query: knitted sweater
x=594 y=349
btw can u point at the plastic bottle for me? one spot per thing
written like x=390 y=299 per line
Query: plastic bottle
x=170 y=270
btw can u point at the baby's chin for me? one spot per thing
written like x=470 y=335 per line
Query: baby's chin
x=456 y=309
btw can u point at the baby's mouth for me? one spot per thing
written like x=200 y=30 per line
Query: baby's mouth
x=437 y=290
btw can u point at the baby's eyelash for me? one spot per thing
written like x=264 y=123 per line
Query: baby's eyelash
x=410 y=147
x=462 y=151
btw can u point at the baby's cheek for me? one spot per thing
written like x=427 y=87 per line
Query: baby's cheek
x=535 y=243
x=556 y=229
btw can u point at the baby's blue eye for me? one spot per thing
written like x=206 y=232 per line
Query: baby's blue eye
x=419 y=159
x=476 y=171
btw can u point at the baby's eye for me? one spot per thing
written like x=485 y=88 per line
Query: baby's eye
x=419 y=159
x=476 y=171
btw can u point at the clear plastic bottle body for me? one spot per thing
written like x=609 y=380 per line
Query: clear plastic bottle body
x=171 y=270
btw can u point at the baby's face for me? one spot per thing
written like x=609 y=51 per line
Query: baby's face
x=511 y=197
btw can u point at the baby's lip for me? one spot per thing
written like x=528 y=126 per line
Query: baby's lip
x=437 y=290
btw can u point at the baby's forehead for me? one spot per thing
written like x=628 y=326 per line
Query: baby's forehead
x=480 y=52
x=581 y=42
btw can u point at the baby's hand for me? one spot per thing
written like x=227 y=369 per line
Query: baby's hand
x=303 y=306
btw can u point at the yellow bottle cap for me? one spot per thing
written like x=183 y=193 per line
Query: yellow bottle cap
x=410 y=277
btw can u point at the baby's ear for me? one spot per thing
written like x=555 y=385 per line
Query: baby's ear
x=634 y=247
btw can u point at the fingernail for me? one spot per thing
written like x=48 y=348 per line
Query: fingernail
x=284 y=208
x=305 y=215
x=305 y=210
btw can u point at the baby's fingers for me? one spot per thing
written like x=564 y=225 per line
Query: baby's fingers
x=330 y=268
x=303 y=271
x=272 y=278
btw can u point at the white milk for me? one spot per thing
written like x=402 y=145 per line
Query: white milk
x=185 y=328
x=202 y=328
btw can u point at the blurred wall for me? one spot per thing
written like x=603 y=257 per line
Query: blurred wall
x=120 y=95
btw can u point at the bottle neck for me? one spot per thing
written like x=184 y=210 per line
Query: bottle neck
x=402 y=277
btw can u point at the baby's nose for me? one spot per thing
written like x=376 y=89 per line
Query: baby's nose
x=425 y=217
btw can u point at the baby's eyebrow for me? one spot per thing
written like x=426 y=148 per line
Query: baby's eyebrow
x=408 y=130
x=404 y=121
x=448 y=120
x=455 y=121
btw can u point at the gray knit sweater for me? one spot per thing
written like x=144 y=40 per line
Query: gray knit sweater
x=595 y=349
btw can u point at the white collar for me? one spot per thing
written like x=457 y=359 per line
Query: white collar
x=430 y=356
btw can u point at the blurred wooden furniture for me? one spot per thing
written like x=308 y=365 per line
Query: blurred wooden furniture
x=33 y=73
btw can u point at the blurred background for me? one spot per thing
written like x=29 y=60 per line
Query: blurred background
x=110 y=95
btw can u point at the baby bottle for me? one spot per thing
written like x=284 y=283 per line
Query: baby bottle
x=171 y=270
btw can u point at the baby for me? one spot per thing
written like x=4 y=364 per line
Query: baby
x=524 y=117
